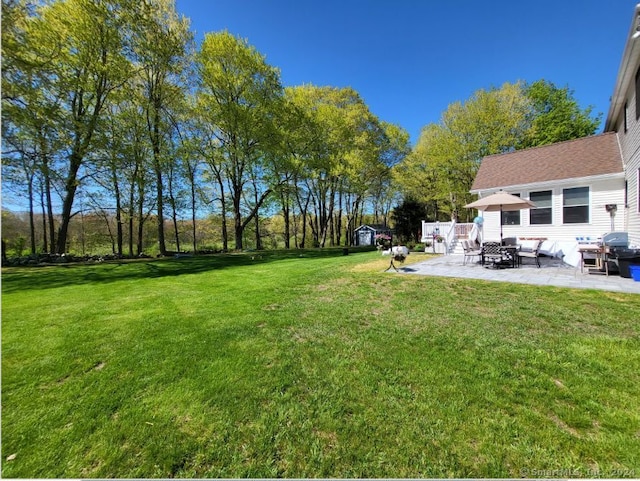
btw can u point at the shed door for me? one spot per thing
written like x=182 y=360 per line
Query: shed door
x=365 y=238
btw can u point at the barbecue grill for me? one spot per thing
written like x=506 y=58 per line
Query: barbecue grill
x=615 y=239
x=619 y=255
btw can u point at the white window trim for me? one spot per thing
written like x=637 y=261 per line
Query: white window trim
x=588 y=204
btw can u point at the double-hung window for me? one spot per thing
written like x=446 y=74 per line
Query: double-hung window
x=575 y=205
x=542 y=212
x=638 y=191
x=511 y=217
x=638 y=94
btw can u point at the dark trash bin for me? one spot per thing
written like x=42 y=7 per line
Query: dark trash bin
x=625 y=257
x=625 y=262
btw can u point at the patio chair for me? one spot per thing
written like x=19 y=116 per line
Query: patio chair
x=510 y=241
x=469 y=251
x=533 y=254
x=491 y=252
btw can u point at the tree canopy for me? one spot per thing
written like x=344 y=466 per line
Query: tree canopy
x=555 y=116
x=441 y=168
x=110 y=111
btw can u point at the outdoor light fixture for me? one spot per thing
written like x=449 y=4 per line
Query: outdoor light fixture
x=611 y=209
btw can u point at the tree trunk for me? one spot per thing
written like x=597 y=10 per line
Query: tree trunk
x=51 y=221
x=193 y=210
x=32 y=225
x=153 y=124
x=257 y=219
x=240 y=224
x=71 y=187
x=303 y=217
x=286 y=216
x=225 y=229
x=132 y=200
x=193 y=225
x=327 y=216
x=174 y=218
x=258 y=239
x=130 y=221
x=174 y=212
x=140 y=243
x=238 y=230
x=223 y=208
x=160 y=205
x=119 y=234
x=45 y=245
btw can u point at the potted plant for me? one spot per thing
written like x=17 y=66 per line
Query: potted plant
x=383 y=242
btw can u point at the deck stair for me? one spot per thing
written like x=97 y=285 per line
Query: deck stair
x=454 y=232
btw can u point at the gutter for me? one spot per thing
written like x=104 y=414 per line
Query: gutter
x=550 y=184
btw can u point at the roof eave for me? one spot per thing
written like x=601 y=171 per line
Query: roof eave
x=537 y=185
x=628 y=67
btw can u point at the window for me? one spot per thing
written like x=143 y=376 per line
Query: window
x=542 y=213
x=511 y=217
x=626 y=113
x=638 y=94
x=626 y=192
x=575 y=205
x=638 y=191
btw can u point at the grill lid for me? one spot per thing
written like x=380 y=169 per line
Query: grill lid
x=617 y=239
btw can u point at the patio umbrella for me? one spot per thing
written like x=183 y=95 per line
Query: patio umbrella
x=499 y=202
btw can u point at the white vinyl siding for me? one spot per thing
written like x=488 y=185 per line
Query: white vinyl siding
x=628 y=219
x=602 y=192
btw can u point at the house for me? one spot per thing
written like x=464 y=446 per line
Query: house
x=624 y=119
x=583 y=187
x=573 y=184
x=365 y=235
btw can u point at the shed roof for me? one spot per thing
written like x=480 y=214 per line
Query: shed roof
x=376 y=227
x=584 y=157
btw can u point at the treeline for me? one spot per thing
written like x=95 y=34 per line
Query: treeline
x=110 y=110
x=108 y=104
x=94 y=233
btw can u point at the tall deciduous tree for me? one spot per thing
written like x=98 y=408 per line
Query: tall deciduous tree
x=555 y=116
x=443 y=164
x=240 y=96
x=304 y=143
x=31 y=113
x=82 y=39
x=161 y=43
x=384 y=192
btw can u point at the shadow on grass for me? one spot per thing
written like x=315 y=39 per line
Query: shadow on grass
x=16 y=279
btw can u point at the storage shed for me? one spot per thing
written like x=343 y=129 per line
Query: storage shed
x=365 y=235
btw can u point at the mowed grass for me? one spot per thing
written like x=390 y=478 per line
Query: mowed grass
x=312 y=364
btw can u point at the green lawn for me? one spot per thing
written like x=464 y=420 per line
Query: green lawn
x=312 y=365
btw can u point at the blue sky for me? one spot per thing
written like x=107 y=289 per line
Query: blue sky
x=410 y=59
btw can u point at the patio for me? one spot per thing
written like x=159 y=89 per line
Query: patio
x=553 y=272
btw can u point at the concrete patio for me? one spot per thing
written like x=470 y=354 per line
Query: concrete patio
x=553 y=272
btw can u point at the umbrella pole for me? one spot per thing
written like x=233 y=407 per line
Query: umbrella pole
x=500 y=224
